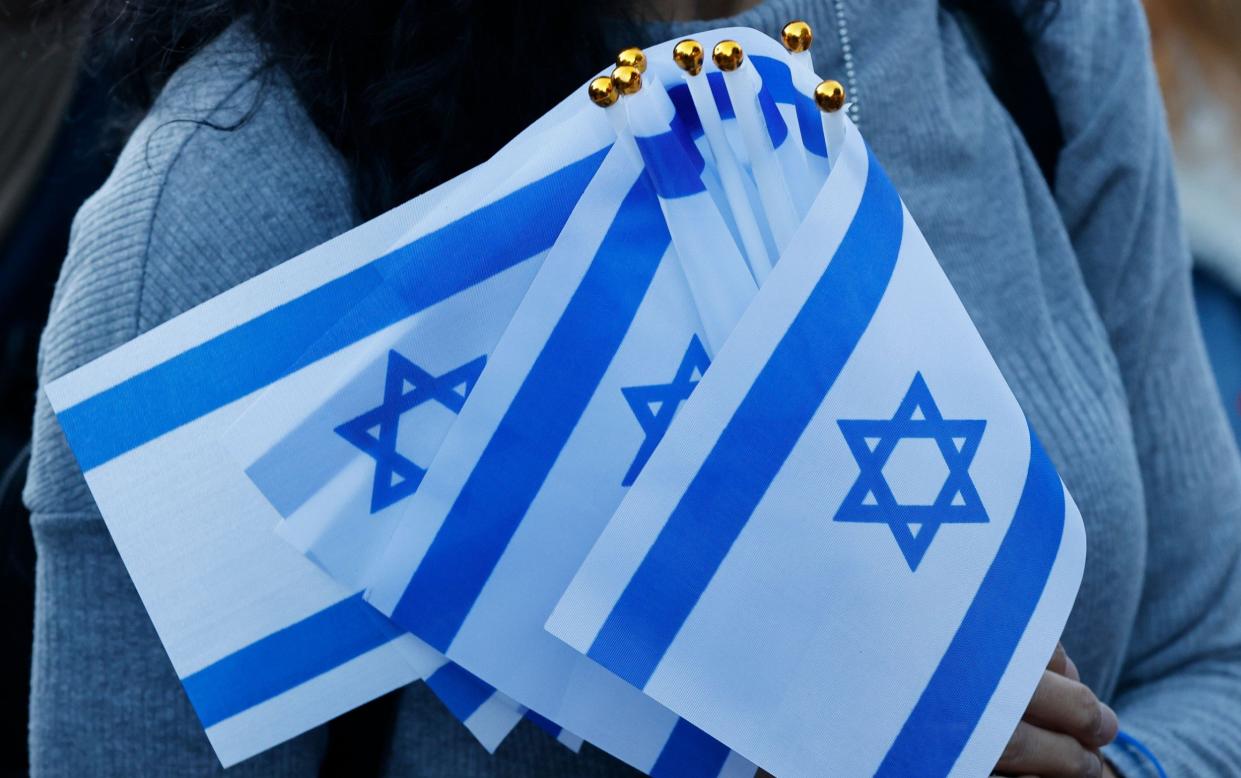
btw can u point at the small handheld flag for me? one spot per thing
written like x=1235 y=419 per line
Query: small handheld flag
x=852 y=471
x=484 y=548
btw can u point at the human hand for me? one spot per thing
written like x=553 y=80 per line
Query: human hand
x=1062 y=730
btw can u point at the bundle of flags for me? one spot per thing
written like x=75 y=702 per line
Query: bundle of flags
x=663 y=429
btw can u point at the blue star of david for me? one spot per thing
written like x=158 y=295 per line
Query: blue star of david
x=656 y=404
x=872 y=442
x=375 y=432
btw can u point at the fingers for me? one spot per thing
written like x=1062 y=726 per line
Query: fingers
x=1070 y=669
x=1059 y=660
x=1036 y=751
x=1062 y=663
x=1066 y=706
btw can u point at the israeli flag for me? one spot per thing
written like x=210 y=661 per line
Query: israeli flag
x=601 y=353
x=267 y=645
x=340 y=443
x=849 y=555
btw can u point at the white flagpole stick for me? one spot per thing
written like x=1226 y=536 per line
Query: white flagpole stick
x=688 y=55
x=715 y=272
x=797 y=38
x=740 y=78
x=605 y=92
x=626 y=80
x=830 y=97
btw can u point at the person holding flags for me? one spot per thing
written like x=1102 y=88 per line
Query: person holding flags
x=275 y=129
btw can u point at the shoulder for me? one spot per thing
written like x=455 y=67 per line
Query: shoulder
x=224 y=178
x=1114 y=183
x=1098 y=63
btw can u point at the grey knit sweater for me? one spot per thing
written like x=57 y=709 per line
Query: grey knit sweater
x=1083 y=299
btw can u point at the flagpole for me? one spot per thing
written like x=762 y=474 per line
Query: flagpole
x=797 y=37
x=740 y=79
x=605 y=92
x=688 y=56
x=830 y=97
x=715 y=272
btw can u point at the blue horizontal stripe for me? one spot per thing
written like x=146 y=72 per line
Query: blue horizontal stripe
x=287 y=658
x=754 y=444
x=461 y=691
x=953 y=702
x=544 y=412
x=273 y=345
x=690 y=753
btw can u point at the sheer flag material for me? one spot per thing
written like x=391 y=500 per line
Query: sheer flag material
x=652 y=430
x=267 y=644
x=850 y=555
x=520 y=487
x=340 y=444
x=718 y=278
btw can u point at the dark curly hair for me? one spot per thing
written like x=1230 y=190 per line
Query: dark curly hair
x=399 y=87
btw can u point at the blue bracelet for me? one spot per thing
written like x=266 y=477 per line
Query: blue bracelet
x=1125 y=739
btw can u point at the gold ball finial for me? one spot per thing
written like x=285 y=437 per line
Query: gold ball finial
x=632 y=57
x=627 y=79
x=688 y=55
x=728 y=55
x=829 y=96
x=797 y=36
x=603 y=92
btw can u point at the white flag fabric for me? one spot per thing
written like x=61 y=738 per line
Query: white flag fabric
x=661 y=429
x=267 y=645
x=521 y=487
x=850 y=554
x=338 y=444
x=718 y=277
x=781 y=92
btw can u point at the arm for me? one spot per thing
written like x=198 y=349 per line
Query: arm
x=1179 y=690
x=189 y=212
x=1181 y=680
x=104 y=697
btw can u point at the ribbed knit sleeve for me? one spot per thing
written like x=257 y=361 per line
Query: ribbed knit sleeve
x=188 y=212
x=1180 y=686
